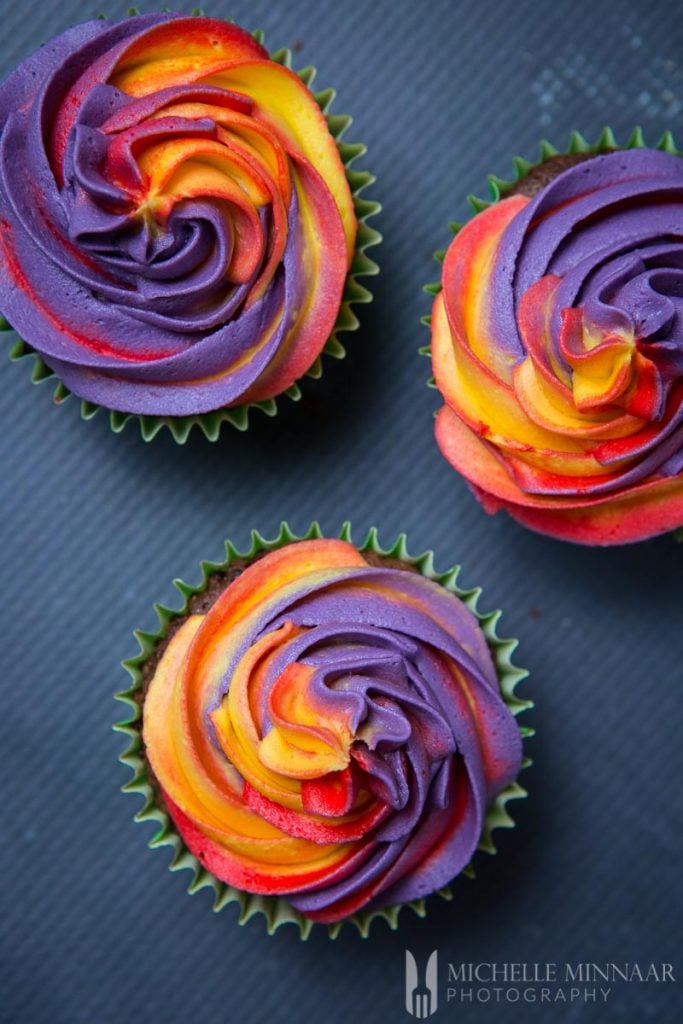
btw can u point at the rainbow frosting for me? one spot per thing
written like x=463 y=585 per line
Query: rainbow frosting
x=330 y=730
x=557 y=344
x=176 y=223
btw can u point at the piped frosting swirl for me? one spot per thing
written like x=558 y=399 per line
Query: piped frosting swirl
x=330 y=730
x=176 y=222
x=557 y=344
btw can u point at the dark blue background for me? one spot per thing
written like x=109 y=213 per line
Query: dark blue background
x=94 y=526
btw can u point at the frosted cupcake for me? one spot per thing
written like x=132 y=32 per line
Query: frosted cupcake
x=557 y=344
x=328 y=731
x=180 y=225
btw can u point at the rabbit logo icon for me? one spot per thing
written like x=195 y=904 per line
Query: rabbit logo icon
x=421 y=998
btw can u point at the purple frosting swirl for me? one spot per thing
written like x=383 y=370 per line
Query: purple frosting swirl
x=561 y=356
x=155 y=222
x=360 y=707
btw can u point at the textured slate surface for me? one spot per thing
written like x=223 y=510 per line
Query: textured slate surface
x=94 y=928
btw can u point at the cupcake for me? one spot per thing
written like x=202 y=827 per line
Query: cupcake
x=181 y=229
x=325 y=733
x=557 y=343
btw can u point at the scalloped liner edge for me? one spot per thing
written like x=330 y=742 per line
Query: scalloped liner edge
x=276 y=910
x=210 y=423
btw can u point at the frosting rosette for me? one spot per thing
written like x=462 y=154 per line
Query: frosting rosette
x=557 y=345
x=330 y=729
x=177 y=223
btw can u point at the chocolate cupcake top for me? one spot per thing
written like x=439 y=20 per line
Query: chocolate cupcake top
x=330 y=730
x=557 y=344
x=177 y=226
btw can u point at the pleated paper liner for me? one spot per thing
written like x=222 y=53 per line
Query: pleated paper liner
x=276 y=910
x=355 y=293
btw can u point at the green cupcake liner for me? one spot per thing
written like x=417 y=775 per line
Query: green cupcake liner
x=276 y=910
x=354 y=294
x=499 y=188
